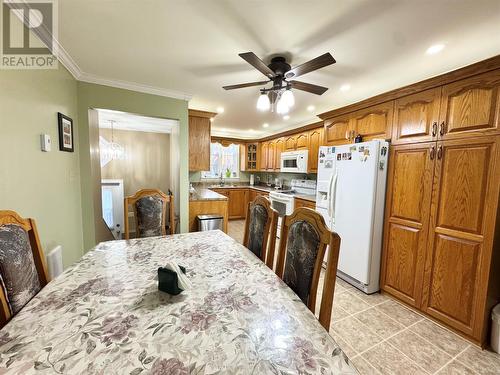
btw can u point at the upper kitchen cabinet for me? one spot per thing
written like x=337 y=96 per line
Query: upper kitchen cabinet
x=264 y=152
x=374 y=122
x=290 y=143
x=199 y=140
x=416 y=117
x=251 y=157
x=302 y=141
x=271 y=150
x=338 y=130
x=470 y=107
x=315 y=141
x=279 y=147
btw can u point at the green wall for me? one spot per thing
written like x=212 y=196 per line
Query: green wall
x=41 y=185
x=104 y=97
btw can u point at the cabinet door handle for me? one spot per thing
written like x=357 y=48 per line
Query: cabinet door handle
x=434 y=128
x=440 y=152
x=432 y=153
x=441 y=129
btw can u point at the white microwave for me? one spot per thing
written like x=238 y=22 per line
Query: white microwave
x=294 y=161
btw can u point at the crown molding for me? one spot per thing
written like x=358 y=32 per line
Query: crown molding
x=133 y=86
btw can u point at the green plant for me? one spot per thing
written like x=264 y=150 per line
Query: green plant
x=228 y=173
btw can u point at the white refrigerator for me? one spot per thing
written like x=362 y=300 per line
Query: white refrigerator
x=351 y=196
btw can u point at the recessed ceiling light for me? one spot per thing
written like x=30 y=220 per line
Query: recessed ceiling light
x=265 y=125
x=286 y=117
x=311 y=108
x=220 y=109
x=435 y=48
x=345 y=87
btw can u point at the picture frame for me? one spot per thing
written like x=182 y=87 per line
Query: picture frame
x=66 y=139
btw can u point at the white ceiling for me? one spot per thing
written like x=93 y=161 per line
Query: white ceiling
x=192 y=46
x=132 y=122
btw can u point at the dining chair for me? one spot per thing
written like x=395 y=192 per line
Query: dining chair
x=23 y=272
x=303 y=242
x=260 y=227
x=150 y=210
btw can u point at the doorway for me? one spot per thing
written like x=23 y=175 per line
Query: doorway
x=135 y=152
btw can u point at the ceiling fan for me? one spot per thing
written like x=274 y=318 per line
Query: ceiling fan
x=282 y=75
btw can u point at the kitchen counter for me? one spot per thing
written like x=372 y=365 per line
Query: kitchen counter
x=268 y=189
x=203 y=194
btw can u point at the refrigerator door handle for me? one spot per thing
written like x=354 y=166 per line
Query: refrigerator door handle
x=329 y=194
x=333 y=196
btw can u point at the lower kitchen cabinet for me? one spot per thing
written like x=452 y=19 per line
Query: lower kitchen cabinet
x=238 y=199
x=304 y=203
x=441 y=211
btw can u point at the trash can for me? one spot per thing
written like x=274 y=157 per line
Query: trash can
x=495 y=328
x=209 y=222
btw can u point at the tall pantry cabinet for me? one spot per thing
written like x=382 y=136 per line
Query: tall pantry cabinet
x=442 y=199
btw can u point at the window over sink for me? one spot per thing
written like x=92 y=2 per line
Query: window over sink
x=225 y=160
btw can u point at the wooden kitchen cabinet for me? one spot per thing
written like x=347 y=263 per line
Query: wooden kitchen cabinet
x=264 y=147
x=279 y=147
x=238 y=199
x=271 y=150
x=290 y=143
x=374 y=122
x=199 y=140
x=460 y=244
x=441 y=208
x=416 y=117
x=299 y=202
x=337 y=130
x=302 y=141
x=406 y=220
x=251 y=157
x=315 y=141
x=470 y=107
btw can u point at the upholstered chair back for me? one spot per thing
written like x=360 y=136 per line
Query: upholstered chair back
x=150 y=209
x=23 y=272
x=260 y=229
x=303 y=241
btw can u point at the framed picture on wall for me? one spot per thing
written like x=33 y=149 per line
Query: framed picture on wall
x=65 y=133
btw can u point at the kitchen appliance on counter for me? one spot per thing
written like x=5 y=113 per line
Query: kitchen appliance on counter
x=351 y=197
x=294 y=161
x=284 y=201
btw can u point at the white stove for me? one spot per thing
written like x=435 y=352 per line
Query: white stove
x=283 y=201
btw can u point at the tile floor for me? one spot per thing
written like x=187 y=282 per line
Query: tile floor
x=381 y=336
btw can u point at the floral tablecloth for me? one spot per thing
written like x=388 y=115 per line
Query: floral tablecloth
x=105 y=315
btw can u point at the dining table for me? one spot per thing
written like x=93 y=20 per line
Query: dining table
x=105 y=315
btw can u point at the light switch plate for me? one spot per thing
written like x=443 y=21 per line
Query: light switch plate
x=45 y=142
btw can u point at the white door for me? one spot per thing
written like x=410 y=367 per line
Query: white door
x=112 y=206
x=352 y=217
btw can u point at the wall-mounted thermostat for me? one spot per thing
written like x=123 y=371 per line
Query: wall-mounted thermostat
x=45 y=142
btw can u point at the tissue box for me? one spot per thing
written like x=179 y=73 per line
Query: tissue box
x=168 y=282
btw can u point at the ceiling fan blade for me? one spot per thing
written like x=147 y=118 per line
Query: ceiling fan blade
x=314 y=64
x=309 y=87
x=242 y=85
x=257 y=63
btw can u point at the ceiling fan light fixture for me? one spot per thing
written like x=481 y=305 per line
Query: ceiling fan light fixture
x=288 y=98
x=281 y=106
x=263 y=103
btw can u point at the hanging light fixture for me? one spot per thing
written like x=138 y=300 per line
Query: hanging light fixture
x=288 y=97
x=263 y=103
x=281 y=106
x=116 y=151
